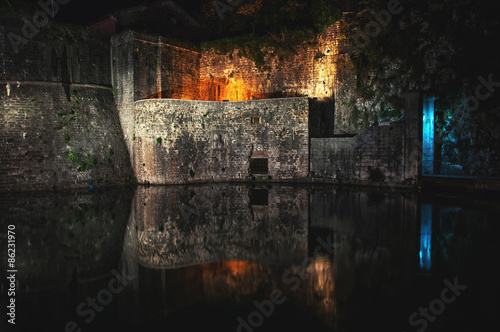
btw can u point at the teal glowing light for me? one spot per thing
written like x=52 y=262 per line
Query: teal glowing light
x=428 y=135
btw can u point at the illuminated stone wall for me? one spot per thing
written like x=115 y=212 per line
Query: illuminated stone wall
x=313 y=71
x=145 y=67
x=152 y=68
x=179 y=141
x=309 y=72
x=162 y=70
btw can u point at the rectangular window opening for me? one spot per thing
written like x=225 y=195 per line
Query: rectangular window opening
x=259 y=166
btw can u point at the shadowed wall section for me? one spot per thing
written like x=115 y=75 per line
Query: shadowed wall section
x=59 y=126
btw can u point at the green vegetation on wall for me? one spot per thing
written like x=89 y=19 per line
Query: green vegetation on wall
x=437 y=48
x=256 y=26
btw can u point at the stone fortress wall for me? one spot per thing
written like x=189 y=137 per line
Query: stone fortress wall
x=59 y=126
x=80 y=108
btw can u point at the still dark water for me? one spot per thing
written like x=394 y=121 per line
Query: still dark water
x=240 y=258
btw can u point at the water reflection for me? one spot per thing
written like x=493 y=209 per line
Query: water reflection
x=425 y=238
x=67 y=243
x=211 y=255
x=220 y=244
x=179 y=226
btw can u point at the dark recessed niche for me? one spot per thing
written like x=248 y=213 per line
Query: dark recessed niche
x=259 y=197
x=259 y=166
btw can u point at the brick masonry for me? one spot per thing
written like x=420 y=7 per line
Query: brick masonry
x=48 y=142
x=80 y=108
x=146 y=67
x=314 y=70
x=390 y=153
x=344 y=158
x=59 y=125
x=178 y=141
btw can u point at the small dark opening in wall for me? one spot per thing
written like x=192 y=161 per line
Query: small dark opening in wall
x=259 y=197
x=259 y=166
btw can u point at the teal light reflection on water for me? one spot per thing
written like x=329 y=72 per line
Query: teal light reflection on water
x=425 y=239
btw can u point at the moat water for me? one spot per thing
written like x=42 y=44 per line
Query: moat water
x=251 y=258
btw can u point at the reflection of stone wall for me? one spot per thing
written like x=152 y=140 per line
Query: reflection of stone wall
x=374 y=247
x=62 y=231
x=375 y=240
x=178 y=141
x=67 y=244
x=192 y=225
x=206 y=291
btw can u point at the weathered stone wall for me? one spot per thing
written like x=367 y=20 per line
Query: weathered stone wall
x=390 y=153
x=164 y=71
x=59 y=125
x=178 y=141
x=61 y=78
x=49 y=142
x=144 y=67
x=56 y=53
x=313 y=71
x=122 y=58
x=152 y=68
x=375 y=154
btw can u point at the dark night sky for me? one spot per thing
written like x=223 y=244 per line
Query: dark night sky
x=86 y=11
